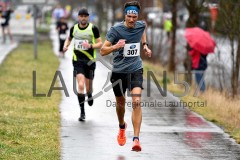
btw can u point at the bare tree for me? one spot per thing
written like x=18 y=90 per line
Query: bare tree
x=229 y=13
x=102 y=14
x=172 y=64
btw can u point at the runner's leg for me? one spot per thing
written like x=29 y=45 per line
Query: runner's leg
x=9 y=33
x=119 y=89
x=120 y=109
x=89 y=90
x=81 y=96
x=89 y=82
x=136 y=117
x=3 y=34
x=137 y=111
x=81 y=83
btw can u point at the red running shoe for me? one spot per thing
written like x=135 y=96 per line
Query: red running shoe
x=136 y=146
x=121 y=138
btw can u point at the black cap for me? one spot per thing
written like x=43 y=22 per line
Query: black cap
x=83 y=11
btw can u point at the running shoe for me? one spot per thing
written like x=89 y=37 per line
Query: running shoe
x=82 y=117
x=136 y=146
x=90 y=100
x=121 y=138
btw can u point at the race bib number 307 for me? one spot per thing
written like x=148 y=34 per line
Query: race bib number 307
x=131 y=50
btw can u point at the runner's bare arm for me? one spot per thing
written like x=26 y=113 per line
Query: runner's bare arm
x=66 y=44
x=147 y=51
x=98 y=44
x=107 y=47
x=144 y=37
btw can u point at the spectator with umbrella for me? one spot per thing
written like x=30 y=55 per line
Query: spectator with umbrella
x=200 y=44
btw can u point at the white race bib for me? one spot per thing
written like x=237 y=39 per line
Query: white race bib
x=131 y=50
x=2 y=20
x=78 y=44
x=63 y=36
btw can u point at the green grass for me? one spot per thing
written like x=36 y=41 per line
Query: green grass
x=29 y=126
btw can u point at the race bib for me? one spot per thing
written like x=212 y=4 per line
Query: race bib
x=2 y=20
x=131 y=50
x=78 y=44
x=63 y=36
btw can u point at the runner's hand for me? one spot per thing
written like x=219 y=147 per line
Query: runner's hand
x=147 y=51
x=65 y=48
x=85 y=44
x=121 y=43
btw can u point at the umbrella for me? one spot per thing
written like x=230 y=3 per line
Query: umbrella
x=200 y=40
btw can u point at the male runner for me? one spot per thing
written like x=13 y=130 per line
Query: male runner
x=86 y=40
x=124 y=40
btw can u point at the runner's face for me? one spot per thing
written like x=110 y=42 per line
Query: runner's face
x=130 y=20
x=83 y=19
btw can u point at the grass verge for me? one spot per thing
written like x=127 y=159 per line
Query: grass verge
x=220 y=109
x=29 y=126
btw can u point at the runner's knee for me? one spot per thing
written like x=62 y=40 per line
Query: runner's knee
x=81 y=86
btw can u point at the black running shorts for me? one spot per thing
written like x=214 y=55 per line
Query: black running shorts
x=84 y=68
x=122 y=81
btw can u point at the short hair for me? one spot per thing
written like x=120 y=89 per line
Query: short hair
x=132 y=3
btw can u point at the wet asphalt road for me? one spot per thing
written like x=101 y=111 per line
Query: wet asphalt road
x=167 y=132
